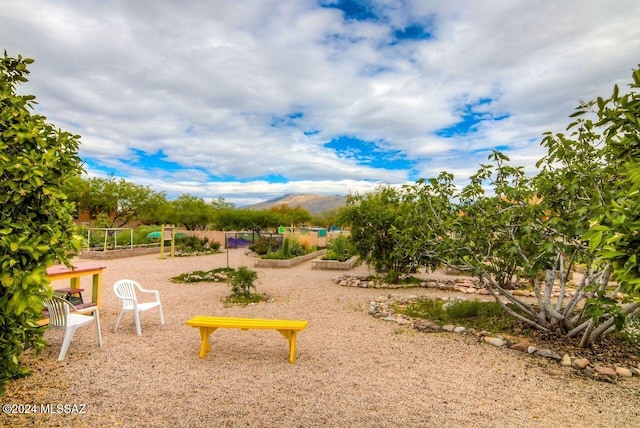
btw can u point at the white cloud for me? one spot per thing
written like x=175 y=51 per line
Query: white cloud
x=244 y=90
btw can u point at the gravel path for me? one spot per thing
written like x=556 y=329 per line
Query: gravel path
x=351 y=369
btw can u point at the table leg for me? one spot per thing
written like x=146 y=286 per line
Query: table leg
x=96 y=290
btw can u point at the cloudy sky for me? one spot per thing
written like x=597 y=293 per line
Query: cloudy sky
x=251 y=100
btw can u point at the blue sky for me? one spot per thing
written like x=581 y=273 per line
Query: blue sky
x=251 y=100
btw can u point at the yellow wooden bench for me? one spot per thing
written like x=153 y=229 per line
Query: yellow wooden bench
x=209 y=324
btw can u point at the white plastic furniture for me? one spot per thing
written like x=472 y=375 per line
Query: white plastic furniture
x=125 y=290
x=64 y=316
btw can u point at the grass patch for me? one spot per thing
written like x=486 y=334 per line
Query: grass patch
x=236 y=299
x=474 y=314
x=214 y=275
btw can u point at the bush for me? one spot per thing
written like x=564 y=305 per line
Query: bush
x=190 y=245
x=242 y=280
x=340 y=248
x=290 y=249
x=264 y=245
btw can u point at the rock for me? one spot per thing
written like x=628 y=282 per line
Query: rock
x=460 y=330
x=483 y=291
x=448 y=327
x=623 y=372
x=566 y=360
x=548 y=353
x=521 y=346
x=605 y=371
x=580 y=363
x=496 y=341
x=635 y=371
x=531 y=349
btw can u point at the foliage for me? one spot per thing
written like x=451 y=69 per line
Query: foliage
x=193 y=245
x=36 y=223
x=615 y=230
x=290 y=249
x=264 y=244
x=327 y=219
x=215 y=275
x=374 y=221
x=475 y=314
x=191 y=211
x=119 y=200
x=294 y=216
x=242 y=281
x=340 y=248
x=508 y=229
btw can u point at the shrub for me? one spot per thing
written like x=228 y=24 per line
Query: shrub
x=290 y=249
x=242 y=280
x=340 y=248
x=264 y=245
x=37 y=229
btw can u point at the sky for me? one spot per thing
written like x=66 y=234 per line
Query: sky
x=252 y=100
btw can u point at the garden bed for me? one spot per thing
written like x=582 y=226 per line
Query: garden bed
x=118 y=253
x=334 y=264
x=272 y=263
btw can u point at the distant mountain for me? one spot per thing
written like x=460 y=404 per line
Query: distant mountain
x=315 y=204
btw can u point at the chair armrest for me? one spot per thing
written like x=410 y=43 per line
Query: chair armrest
x=154 y=292
x=87 y=309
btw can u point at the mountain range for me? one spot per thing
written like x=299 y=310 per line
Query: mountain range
x=313 y=203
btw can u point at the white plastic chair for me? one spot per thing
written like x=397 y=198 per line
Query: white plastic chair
x=64 y=316
x=125 y=290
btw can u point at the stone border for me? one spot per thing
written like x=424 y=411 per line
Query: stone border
x=461 y=285
x=269 y=263
x=117 y=254
x=334 y=264
x=382 y=307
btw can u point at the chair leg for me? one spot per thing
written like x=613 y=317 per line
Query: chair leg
x=136 y=317
x=68 y=337
x=96 y=317
x=161 y=316
x=118 y=320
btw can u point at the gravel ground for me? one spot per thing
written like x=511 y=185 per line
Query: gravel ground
x=351 y=369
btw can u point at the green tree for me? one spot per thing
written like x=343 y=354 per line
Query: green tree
x=192 y=212
x=291 y=216
x=374 y=219
x=122 y=200
x=36 y=227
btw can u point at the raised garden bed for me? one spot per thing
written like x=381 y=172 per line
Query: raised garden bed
x=334 y=264
x=118 y=253
x=270 y=263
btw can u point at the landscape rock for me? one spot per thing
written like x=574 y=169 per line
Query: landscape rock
x=605 y=371
x=580 y=363
x=521 y=346
x=623 y=372
x=496 y=341
x=548 y=353
x=566 y=360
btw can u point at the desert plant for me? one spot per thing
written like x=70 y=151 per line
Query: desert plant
x=242 y=281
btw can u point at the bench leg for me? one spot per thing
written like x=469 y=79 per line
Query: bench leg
x=205 y=332
x=290 y=335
